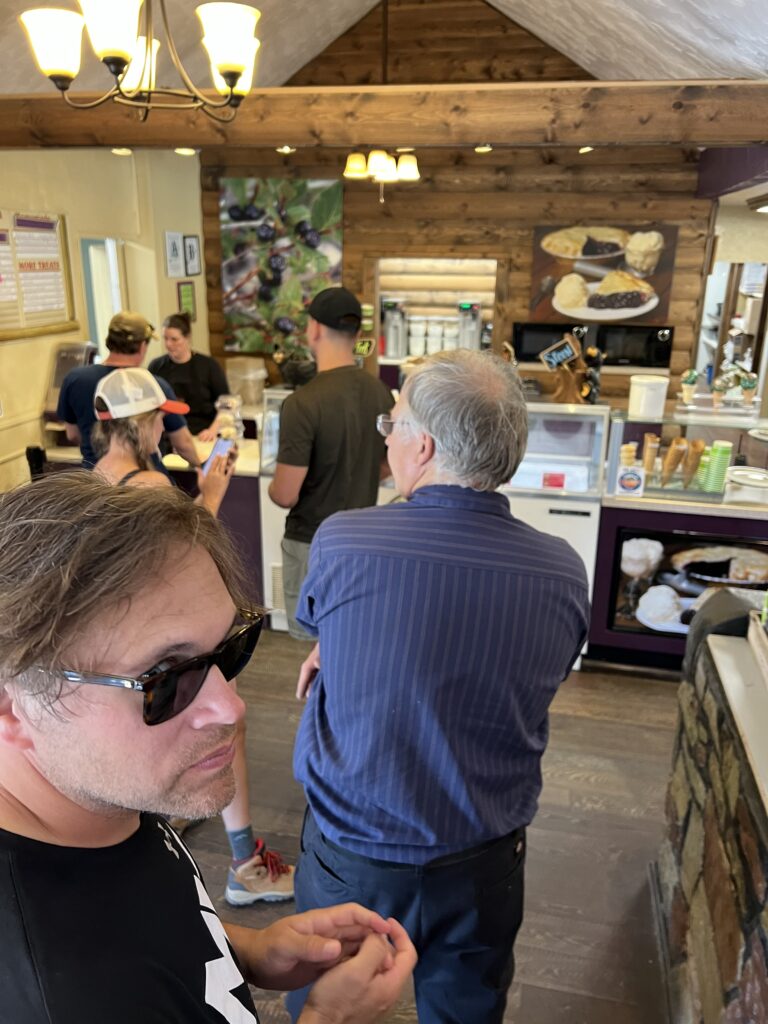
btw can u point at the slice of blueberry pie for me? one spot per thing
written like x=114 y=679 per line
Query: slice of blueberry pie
x=570 y=243
x=620 y=290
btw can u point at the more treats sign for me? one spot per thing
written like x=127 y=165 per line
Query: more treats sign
x=280 y=246
x=602 y=273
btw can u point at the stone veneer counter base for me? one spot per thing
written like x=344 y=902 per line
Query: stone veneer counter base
x=713 y=865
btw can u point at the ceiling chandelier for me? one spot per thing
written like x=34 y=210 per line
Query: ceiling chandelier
x=119 y=31
x=382 y=168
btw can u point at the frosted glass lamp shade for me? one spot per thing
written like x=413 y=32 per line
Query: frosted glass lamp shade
x=356 y=166
x=140 y=74
x=377 y=162
x=56 y=40
x=407 y=168
x=243 y=84
x=228 y=30
x=112 y=27
x=388 y=173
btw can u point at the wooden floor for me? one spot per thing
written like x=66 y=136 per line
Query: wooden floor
x=586 y=953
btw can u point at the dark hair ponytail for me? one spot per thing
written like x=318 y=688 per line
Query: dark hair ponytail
x=179 y=322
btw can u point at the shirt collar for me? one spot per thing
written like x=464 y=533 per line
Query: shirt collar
x=453 y=496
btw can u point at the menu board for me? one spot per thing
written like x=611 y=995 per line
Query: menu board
x=35 y=283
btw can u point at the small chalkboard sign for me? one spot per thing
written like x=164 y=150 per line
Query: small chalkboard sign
x=561 y=353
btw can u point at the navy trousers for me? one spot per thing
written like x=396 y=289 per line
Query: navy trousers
x=462 y=914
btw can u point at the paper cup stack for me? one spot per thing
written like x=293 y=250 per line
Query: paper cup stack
x=719 y=461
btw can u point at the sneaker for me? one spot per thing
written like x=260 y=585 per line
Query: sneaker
x=265 y=876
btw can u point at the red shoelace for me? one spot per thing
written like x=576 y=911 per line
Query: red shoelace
x=274 y=864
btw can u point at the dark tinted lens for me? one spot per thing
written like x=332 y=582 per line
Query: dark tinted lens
x=175 y=691
x=235 y=653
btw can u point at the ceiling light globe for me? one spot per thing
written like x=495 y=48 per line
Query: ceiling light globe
x=56 y=40
x=356 y=166
x=388 y=174
x=377 y=162
x=408 y=168
x=140 y=74
x=245 y=81
x=112 y=27
x=228 y=30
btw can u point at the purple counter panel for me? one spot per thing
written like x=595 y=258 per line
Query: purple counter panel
x=615 y=637
x=241 y=514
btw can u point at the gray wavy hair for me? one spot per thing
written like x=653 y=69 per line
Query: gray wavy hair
x=472 y=405
x=72 y=548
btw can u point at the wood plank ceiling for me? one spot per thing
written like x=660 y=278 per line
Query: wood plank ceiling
x=610 y=39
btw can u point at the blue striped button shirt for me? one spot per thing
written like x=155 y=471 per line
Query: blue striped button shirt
x=446 y=626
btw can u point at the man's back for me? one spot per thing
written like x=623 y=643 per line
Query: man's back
x=76 y=404
x=446 y=628
x=329 y=425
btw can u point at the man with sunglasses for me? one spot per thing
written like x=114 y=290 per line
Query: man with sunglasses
x=115 y=700
x=445 y=627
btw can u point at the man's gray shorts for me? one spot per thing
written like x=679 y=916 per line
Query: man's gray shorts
x=295 y=563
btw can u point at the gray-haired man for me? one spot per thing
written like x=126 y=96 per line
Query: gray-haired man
x=445 y=628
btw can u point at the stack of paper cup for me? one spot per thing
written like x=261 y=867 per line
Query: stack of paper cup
x=417 y=335
x=451 y=333
x=434 y=335
x=719 y=461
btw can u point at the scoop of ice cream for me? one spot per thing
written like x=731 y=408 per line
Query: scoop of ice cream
x=571 y=291
x=660 y=604
x=645 y=241
x=689 y=377
x=640 y=557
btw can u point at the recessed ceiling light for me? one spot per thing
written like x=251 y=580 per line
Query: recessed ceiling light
x=762 y=209
x=485 y=147
x=122 y=151
x=184 y=151
x=286 y=150
x=586 y=149
x=405 y=149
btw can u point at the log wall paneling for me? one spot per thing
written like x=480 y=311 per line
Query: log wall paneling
x=484 y=221
x=442 y=41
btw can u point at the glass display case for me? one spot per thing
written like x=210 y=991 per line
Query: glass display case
x=692 y=457
x=270 y=431
x=566 y=450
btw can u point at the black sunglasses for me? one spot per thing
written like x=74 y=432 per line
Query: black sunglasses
x=168 y=691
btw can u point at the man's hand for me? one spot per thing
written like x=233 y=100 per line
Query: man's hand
x=309 y=669
x=295 y=951
x=365 y=987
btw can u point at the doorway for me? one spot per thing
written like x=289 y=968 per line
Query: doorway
x=103 y=279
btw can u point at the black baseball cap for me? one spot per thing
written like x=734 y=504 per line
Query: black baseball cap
x=338 y=309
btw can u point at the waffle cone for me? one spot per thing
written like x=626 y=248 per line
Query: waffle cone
x=692 y=460
x=673 y=458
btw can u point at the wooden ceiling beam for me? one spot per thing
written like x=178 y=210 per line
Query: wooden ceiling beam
x=715 y=113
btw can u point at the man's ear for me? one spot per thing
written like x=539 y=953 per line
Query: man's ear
x=426 y=449
x=14 y=727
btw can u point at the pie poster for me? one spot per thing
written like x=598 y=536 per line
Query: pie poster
x=280 y=246
x=602 y=273
x=659 y=578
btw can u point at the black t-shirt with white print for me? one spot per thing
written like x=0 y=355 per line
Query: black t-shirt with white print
x=124 y=934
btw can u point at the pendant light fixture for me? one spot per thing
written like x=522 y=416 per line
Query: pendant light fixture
x=119 y=31
x=382 y=168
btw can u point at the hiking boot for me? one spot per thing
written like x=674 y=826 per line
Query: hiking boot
x=264 y=876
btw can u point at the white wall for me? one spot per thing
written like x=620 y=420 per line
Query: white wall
x=135 y=199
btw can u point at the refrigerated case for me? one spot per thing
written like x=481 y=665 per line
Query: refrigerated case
x=659 y=551
x=559 y=484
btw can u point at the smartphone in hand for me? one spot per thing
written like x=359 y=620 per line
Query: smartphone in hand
x=221 y=447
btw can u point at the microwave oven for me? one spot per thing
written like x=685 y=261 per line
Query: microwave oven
x=621 y=344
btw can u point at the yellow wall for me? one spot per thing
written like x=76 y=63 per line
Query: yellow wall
x=134 y=199
x=742 y=235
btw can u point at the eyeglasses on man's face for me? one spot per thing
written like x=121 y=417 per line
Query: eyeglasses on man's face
x=169 y=689
x=386 y=424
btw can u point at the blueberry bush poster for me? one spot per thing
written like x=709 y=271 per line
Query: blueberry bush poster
x=281 y=244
